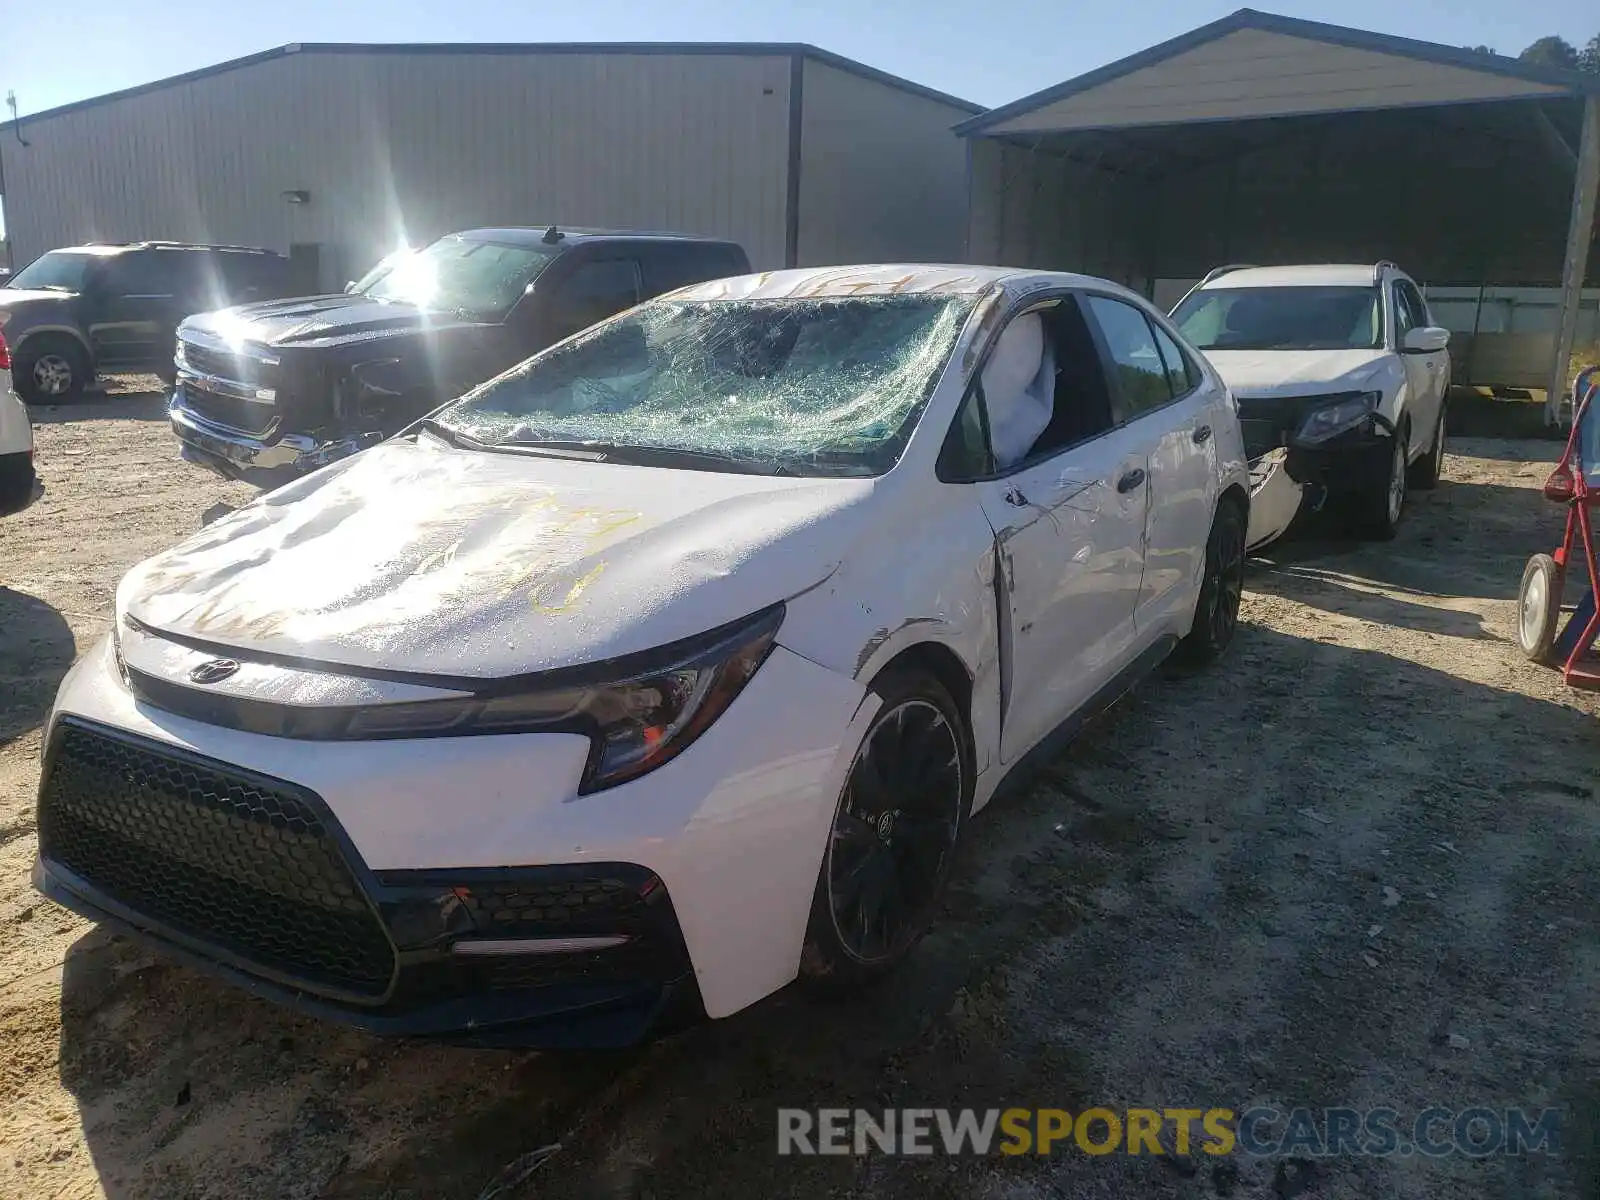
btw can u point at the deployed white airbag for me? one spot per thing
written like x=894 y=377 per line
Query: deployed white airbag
x=1019 y=389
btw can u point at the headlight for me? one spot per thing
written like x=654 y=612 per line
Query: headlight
x=1338 y=415
x=638 y=713
x=179 y=359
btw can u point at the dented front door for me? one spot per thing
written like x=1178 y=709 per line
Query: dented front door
x=1070 y=552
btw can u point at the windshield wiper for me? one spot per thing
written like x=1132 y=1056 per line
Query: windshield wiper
x=452 y=435
x=661 y=456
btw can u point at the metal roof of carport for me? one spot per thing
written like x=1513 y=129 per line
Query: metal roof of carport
x=1254 y=64
x=1229 y=87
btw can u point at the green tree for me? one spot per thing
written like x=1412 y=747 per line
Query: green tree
x=1481 y=49
x=1552 y=52
x=1589 y=56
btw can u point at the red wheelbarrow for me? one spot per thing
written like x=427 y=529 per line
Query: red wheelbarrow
x=1576 y=483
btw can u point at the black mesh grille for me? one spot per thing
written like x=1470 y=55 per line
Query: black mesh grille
x=500 y=909
x=233 y=860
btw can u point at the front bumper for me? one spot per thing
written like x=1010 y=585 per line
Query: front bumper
x=237 y=455
x=716 y=853
x=1353 y=461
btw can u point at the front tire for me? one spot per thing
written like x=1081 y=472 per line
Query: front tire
x=1216 y=610
x=1538 y=607
x=1380 y=508
x=1426 y=471
x=893 y=838
x=50 y=370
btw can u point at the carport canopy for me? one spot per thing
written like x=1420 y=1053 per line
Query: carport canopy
x=1269 y=139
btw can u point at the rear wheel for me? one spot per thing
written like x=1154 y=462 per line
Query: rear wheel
x=49 y=370
x=1539 y=607
x=1425 y=472
x=893 y=837
x=1216 y=611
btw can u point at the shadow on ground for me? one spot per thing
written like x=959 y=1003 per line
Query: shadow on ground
x=36 y=649
x=107 y=406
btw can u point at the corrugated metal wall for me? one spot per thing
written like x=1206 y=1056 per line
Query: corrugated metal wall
x=882 y=178
x=393 y=145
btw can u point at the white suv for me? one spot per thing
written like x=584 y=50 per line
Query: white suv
x=16 y=443
x=1341 y=377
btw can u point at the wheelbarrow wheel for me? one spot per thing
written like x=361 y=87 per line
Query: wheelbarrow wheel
x=1539 y=607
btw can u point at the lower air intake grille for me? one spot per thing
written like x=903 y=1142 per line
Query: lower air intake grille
x=239 y=861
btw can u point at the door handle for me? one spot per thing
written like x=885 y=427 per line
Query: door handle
x=1130 y=481
x=1202 y=435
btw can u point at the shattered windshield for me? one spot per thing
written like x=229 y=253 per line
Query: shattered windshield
x=1282 y=318
x=477 y=279
x=813 y=386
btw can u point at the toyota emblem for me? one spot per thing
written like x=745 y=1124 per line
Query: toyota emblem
x=213 y=670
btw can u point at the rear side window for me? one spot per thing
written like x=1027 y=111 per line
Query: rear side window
x=152 y=274
x=1141 y=373
x=670 y=265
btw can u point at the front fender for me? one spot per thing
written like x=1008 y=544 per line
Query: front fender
x=925 y=575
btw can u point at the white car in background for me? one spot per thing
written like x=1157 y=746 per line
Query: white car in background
x=17 y=477
x=666 y=666
x=1341 y=377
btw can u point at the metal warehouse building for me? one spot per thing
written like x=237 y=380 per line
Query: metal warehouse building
x=344 y=151
x=1266 y=139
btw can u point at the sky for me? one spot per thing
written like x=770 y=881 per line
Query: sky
x=989 y=53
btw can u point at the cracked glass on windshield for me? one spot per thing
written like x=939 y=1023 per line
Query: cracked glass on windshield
x=1282 y=318
x=808 y=386
x=479 y=279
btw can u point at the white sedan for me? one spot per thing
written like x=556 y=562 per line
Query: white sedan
x=17 y=478
x=662 y=669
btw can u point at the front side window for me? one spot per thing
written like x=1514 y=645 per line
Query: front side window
x=1282 y=318
x=595 y=290
x=818 y=386
x=1182 y=374
x=1409 y=310
x=1140 y=370
x=57 y=271
x=480 y=280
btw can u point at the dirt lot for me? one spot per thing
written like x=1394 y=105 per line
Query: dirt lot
x=1354 y=866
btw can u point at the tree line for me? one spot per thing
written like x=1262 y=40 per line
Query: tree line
x=1558 y=52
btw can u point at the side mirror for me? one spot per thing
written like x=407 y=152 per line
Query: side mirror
x=1427 y=339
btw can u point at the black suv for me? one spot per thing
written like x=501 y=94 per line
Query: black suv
x=73 y=313
x=269 y=391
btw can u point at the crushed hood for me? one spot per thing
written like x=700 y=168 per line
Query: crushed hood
x=414 y=556
x=318 y=321
x=1297 y=372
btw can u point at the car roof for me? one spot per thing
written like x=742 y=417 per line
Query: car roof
x=879 y=279
x=110 y=248
x=573 y=234
x=1309 y=275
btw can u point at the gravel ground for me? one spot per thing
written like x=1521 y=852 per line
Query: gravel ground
x=1352 y=866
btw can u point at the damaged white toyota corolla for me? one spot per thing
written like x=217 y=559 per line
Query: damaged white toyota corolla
x=659 y=670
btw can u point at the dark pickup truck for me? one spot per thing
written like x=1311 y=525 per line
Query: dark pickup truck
x=266 y=392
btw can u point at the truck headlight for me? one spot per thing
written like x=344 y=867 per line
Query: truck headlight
x=1336 y=415
x=638 y=713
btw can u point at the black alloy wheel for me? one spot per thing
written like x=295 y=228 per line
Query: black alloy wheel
x=894 y=835
x=1216 y=615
